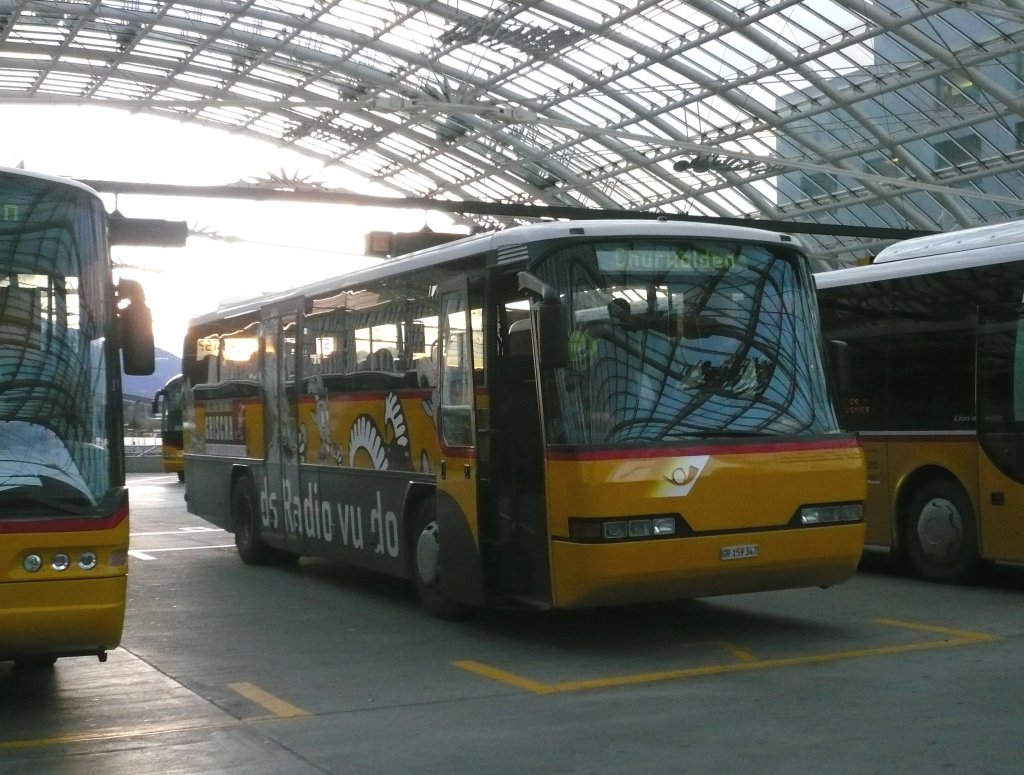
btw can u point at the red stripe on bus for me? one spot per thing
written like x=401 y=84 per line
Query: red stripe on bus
x=920 y=438
x=717 y=448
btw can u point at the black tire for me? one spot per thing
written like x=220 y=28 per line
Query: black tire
x=426 y=565
x=181 y=476
x=35 y=663
x=940 y=533
x=245 y=515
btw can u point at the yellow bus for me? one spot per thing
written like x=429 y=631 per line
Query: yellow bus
x=64 y=330
x=167 y=404
x=562 y=415
x=935 y=348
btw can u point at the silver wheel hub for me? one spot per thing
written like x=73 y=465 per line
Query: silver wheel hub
x=428 y=555
x=940 y=529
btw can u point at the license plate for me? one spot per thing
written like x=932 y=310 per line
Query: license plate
x=738 y=552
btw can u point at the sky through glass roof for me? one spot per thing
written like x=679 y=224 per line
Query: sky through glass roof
x=886 y=114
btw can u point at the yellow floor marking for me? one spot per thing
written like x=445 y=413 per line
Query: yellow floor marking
x=277 y=706
x=747 y=662
x=959 y=634
x=501 y=676
x=741 y=654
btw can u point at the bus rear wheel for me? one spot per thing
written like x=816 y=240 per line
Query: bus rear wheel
x=426 y=565
x=940 y=533
x=245 y=517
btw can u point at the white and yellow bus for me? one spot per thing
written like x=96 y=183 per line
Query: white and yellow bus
x=65 y=329
x=562 y=414
x=935 y=343
x=167 y=405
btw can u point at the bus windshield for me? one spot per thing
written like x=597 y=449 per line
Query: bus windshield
x=54 y=310
x=681 y=340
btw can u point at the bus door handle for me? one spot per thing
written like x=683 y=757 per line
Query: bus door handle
x=467 y=470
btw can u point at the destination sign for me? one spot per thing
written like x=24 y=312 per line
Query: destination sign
x=665 y=257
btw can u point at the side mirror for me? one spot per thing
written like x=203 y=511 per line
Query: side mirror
x=551 y=334
x=839 y=360
x=135 y=322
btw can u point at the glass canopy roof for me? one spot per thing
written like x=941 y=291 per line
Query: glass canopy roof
x=896 y=114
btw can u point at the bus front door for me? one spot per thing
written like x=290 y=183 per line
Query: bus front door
x=457 y=501
x=1000 y=418
x=280 y=427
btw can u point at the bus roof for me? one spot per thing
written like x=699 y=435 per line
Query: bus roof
x=51 y=178
x=980 y=246
x=506 y=238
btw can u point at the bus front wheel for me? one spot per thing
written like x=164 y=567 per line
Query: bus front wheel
x=940 y=535
x=246 y=519
x=426 y=562
x=42 y=662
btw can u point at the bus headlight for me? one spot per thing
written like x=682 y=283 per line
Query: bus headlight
x=831 y=514
x=87 y=560
x=32 y=563
x=596 y=530
x=60 y=561
x=615 y=531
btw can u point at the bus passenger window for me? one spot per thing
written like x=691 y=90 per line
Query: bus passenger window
x=456 y=390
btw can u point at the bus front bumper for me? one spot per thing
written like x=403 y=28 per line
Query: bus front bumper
x=598 y=574
x=73 y=617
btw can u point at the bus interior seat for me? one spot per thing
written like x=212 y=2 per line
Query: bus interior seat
x=379 y=360
x=426 y=371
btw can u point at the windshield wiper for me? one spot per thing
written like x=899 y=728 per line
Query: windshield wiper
x=49 y=494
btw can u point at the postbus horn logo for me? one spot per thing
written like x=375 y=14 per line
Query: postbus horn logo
x=682 y=478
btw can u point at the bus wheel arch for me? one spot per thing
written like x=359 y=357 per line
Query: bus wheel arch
x=938 y=531
x=418 y=494
x=435 y=573
x=245 y=520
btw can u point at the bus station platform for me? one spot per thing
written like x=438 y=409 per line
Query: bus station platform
x=228 y=668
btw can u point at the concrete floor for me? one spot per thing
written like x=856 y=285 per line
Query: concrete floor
x=226 y=668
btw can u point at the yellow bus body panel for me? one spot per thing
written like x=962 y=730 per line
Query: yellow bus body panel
x=65 y=612
x=67 y=616
x=726 y=500
x=397 y=425
x=731 y=495
x=894 y=459
x=173 y=459
x=1001 y=526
